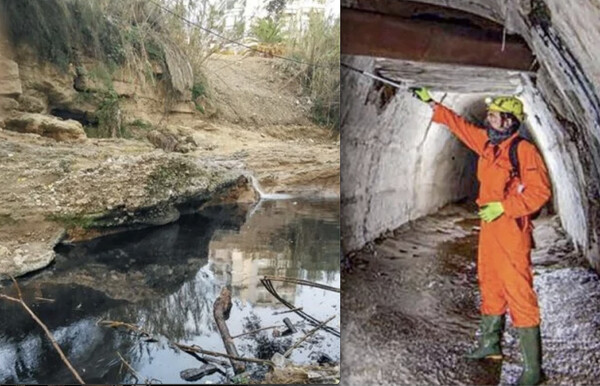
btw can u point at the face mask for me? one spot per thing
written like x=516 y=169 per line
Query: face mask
x=496 y=137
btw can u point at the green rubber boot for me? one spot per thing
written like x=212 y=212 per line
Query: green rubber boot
x=531 y=347
x=489 y=347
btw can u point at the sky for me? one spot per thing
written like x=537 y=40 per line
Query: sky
x=332 y=6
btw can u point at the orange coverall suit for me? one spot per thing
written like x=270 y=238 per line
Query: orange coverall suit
x=504 y=262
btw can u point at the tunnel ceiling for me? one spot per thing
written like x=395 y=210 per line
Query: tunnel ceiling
x=450 y=78
x=428 y=33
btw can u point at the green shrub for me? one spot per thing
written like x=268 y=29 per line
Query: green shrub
x=319 y=46
x=109 y=115
x=141 y=124
x=267 y=30
x=198 y=90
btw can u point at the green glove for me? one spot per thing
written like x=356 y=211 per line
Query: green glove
x=421 y=93
x=491 y=211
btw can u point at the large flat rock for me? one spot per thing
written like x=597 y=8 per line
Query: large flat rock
x=54 y=190
x=46 y=126
x=10 y=83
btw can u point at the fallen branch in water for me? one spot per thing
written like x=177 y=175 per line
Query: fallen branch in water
x=315 y=322
x=131 y=369
x=45 y=299
x=221 y=310
x=255 y=331
x=129 y=326
x=301 y=282
x=135 y=374
x=198 y=350
x=204 y=359
x=289 y=351
x=285 y=312
x=48 y=333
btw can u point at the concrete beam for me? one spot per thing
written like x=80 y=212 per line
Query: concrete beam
x=450 y=77
x=432 y=39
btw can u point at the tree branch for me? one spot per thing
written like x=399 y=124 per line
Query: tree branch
x=197 y=349
x=301 y=282
x=289 y=351
x=48 y=333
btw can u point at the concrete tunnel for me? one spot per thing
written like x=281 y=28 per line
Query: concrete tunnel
x=397 y=166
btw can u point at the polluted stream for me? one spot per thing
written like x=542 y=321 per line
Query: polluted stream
x=165 y=280
x=411 y=308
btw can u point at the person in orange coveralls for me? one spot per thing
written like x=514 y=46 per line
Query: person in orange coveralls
x=507 y=199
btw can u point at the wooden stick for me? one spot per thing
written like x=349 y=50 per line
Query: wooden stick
x=301 y=282
x=255 y=331
x=129 y=326
x=289 y=351
x=136 y=375
x=17 y=287
x=221 y=310
x=285 y=312
x=48 y=333
x=44 y=299
x=197 y=349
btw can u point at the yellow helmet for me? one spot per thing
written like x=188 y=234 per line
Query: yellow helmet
x=507 y=104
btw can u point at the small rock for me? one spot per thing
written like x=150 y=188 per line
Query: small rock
x=195 y=374
x=279 y=360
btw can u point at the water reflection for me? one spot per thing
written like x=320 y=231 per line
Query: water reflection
x=166 y=279
x=297 y=245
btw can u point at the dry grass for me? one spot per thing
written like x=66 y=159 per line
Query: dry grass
x=319 y=46
x=300 y=375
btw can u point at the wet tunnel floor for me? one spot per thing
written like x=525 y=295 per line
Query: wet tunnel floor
x=410 y=308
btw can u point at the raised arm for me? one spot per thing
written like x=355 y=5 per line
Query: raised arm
x=472 y=136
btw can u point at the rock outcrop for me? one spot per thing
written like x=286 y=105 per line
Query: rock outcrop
x=46 y=126
x=173 y=138
x=86 y=189
x=10 y=83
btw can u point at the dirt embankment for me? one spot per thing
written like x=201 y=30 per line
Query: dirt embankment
x=262 y=116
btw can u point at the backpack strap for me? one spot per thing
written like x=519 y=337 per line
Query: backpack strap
x=514 y=158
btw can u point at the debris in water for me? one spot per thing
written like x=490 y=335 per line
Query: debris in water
x=195 y=374
x=291 y=329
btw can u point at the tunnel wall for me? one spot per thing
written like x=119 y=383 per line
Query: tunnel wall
x=562 y=160
x=393 y=168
